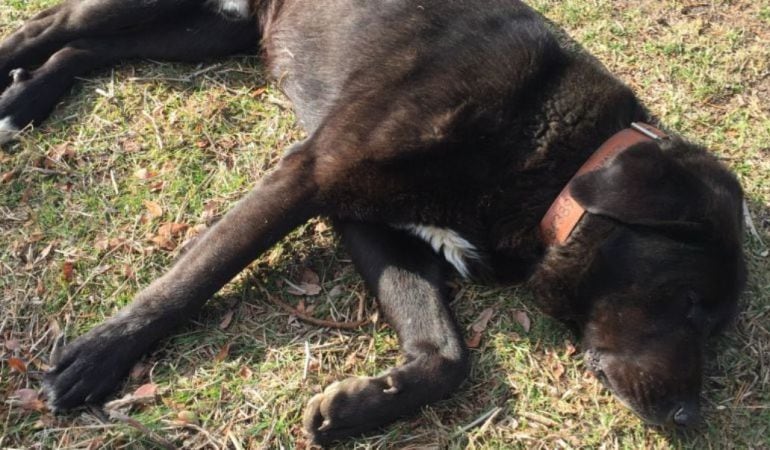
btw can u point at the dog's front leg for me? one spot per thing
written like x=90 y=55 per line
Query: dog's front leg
x=94 y=364
x=409 y=280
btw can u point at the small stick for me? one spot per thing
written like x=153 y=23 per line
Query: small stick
x=119 y=416
x=309 y=319
x=308 y=357
x=489 y=415
x=749 y=220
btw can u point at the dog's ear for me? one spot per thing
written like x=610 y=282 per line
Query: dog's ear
x=643 y=186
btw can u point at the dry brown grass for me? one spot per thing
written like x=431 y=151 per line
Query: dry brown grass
x=146 y=134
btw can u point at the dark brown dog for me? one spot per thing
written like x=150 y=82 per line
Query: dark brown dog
x=452 y=122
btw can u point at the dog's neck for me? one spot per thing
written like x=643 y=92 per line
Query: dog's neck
x=565 y=212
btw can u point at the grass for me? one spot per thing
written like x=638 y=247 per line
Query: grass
x=76 y=244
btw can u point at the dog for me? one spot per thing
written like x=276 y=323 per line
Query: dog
x=443 y=136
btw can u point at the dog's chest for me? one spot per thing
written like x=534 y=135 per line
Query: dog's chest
x=457 y=250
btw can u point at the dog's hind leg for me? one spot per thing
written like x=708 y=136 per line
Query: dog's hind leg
x=192 y=37
x=93 y=365
x=409 y=280
x=50 y=30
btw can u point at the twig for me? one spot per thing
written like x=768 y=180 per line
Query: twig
x=309 y=319
x=308 y=357
x=119 y=416
x=487 y=416
x=753 y=229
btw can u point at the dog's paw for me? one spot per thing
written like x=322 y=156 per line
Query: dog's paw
x=352 y=406
x=90 y=368
x=8 y=130
x=21 y=103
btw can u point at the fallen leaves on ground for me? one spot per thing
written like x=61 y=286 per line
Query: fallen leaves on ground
x=167 y=234
x=68 y=271
x=29 y=400
x=226 y=319
x=308 y=284
x=142 y=395
x=522 y=318
x=479 y=326
x=17 y=364
x=154 y=210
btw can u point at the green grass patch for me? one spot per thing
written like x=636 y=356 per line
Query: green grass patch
x=144 y=132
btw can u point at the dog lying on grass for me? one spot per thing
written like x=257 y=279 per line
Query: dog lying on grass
x=441 y=135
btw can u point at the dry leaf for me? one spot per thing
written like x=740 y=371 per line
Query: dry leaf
x=522 y=318
x=144 y=394
x=58 y=154
x=7 y=177
x=558 y=369
x=157 y=186
x=474 y=341
x=29 y=400
x=336 y=291
x=309 y=277
x=163 y=243
x=154 y=210
x=130 y=146
x=40 y=288
x=245 y=373
x=17 y=364
x=12 y=344
x=210 y=210
x=107 y=244
x=483 y=320
x=44 y=253
x=145 y=174
x=68 y=271
x=227 y=319
x=145 y=391
x=139 y=371
x=166 y=234
x=172 y=229
x=187 y=417
x=351 y=361
x=303 y=289
x=224 y=352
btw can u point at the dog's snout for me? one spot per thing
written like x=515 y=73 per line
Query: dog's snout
x=686 y=415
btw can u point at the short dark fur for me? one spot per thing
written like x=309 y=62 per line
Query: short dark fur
x=446 y=113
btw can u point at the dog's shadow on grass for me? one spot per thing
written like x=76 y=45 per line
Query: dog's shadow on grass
x=523 y=367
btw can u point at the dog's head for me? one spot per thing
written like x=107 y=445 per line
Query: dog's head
x=654 y=269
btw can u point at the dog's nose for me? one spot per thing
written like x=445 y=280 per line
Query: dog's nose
x=686 y=415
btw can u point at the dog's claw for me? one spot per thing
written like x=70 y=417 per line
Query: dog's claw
x=393 y=389
x=19 y=75
x=327 y=424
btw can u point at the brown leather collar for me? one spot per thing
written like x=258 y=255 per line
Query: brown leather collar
x=565 y=213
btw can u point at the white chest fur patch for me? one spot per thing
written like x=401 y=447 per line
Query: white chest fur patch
x=8 y=130
x=456 y=249
x=233 y=8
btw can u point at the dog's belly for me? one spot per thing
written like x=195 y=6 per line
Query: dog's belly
x=317 y=65
x=312 y=61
